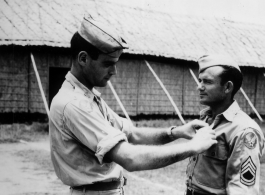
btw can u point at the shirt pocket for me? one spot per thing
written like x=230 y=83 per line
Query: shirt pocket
x=211 y=167
x=218 y=151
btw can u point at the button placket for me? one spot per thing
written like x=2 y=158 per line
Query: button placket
x=97 y=100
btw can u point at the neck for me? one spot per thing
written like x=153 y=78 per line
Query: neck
x=220 y=107
x=81 y=78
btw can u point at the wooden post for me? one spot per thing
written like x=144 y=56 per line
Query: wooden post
x=39 y=83
x=242 y=91
x=119 y=101
x=251 y=105
x=166 y=92
x=194 y=77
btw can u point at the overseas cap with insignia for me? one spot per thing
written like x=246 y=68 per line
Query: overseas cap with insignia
x=102 y=36
x=207 y=61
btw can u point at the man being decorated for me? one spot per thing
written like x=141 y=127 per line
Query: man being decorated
x=232 y=166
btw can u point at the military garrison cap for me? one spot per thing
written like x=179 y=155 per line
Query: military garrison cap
x=207 y=61
x=102 y=36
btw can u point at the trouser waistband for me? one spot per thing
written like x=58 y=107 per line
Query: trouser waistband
x=192 y=192
x=102 y=186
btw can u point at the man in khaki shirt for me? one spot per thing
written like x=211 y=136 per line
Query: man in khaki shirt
x=90 y=144
x=232 y=166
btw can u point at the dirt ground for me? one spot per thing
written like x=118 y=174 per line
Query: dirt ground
x=22 y=175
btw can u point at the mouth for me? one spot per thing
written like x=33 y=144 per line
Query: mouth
x=107 y=78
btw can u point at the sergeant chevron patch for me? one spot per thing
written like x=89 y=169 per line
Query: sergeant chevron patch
x=248 y=172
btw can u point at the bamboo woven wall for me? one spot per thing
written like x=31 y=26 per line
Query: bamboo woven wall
x=260 y=95
x=137 y=88
x=13 y=80
x=18 y=84
x=136 y=85
x=191 y=103
x=254 y=86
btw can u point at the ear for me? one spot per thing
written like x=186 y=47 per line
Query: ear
x=83 y=58
x=229 y=86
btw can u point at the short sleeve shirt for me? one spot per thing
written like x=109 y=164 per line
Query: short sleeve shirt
x=82 y=131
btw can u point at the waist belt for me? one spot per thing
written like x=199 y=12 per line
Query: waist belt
x=102 y=186
x=192 y=192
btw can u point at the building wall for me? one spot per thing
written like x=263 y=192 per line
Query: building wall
x=260 y=92
x=19 y=90
x=14 y=80
x=136 y=85
x=137 y=88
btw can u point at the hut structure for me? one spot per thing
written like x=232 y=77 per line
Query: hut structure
x=171 y=43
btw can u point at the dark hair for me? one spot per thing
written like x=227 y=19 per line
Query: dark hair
x=78 y=44
x=232 y=74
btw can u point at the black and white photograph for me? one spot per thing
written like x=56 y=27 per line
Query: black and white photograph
x=132 y=97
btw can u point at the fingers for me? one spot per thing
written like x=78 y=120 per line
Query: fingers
x=196 y=124
x=207 y=131
x=204 y=139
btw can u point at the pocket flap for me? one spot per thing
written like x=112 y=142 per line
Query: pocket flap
x=218 y=151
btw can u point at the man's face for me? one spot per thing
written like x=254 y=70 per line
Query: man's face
x=210 y=90
x=101 y=70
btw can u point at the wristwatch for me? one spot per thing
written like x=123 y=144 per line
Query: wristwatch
x=169 y=132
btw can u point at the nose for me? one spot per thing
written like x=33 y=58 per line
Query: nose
x=200 y=87
x=113 y=70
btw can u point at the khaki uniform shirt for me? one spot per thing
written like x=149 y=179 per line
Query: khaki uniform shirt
x=232 y=166
x=81 y=134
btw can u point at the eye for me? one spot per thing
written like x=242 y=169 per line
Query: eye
x=109 y=64
x=208 y=82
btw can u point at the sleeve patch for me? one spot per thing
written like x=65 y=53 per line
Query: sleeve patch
x=248 y=172
x=250 y=140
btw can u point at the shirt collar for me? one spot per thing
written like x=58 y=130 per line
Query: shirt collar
x=229 y=113
x=76 y=84
x=233 y=109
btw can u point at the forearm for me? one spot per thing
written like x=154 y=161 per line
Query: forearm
x=143 y=157
x=161 y=156
x=149 y=136
x=160 y=135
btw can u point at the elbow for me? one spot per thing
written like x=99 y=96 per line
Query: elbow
x=129 y=168
x=130 y=157
x=132 y=164
x=132 y=168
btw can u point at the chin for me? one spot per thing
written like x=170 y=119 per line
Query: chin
x=204 y=103
x=102 y=84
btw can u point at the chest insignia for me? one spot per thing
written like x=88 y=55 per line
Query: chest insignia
x=250 y=140
x=248 y=172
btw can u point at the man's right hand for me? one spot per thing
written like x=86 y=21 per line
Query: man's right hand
x=203 y=139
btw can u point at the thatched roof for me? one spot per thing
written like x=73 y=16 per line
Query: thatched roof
x=52 y=23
